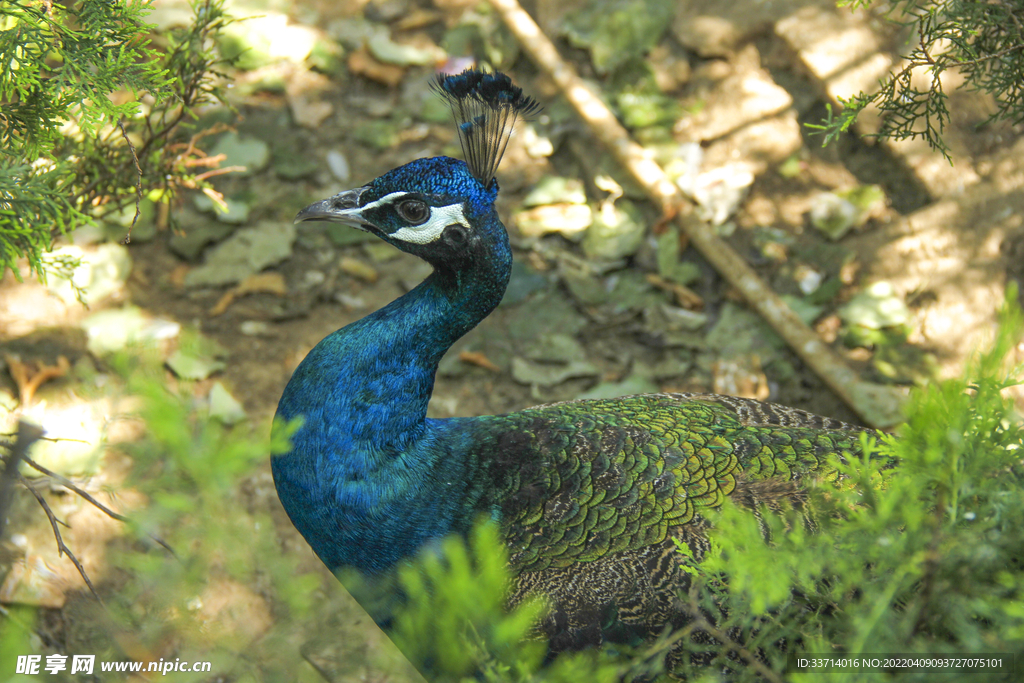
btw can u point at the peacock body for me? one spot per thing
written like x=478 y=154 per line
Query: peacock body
x=590 y=496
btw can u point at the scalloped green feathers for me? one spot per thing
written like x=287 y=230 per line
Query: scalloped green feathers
x=583 y=480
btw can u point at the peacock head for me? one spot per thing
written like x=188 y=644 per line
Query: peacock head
x=432 y=208
x=441 y=209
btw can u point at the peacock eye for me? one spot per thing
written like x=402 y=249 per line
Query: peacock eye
x=414 y=211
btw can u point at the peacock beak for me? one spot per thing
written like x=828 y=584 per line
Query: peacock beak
x=341 y=208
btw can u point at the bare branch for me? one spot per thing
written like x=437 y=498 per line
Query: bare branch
x=138 y=185
x=67 y=483
x=62 y=548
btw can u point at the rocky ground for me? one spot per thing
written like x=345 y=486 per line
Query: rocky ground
x=895 y=256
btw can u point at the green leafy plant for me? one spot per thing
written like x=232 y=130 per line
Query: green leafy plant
x=984 y=41
x=454 y=626
x=90 y=114
x=917 y=550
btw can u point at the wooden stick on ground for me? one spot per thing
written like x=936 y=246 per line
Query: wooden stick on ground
x=877 y=405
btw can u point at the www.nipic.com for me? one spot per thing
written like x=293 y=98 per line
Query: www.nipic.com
x=34 y=664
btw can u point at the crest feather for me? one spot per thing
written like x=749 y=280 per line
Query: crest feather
x=485 y=106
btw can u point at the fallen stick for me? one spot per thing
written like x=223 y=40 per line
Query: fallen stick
x=876 y=404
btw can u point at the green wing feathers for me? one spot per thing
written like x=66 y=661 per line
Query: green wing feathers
x=580 y=481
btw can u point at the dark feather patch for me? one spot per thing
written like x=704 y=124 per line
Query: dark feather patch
x=485 y=107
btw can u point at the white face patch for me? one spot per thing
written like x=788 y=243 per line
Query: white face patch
x=440 y=218
x=386 y=199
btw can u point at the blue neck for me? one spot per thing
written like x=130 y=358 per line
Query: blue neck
x=369 y=479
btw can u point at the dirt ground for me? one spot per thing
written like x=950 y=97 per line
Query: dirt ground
x=746 y=77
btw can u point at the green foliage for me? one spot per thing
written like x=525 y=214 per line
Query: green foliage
x=984 y=41
x=63 y=63
x=455 y=592
x=227 y=594
x=15 y=638
x=189 y=467
x=922 y=557
x=78 y=140
x=454 y=626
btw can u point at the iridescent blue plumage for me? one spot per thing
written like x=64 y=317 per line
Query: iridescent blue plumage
x=590 y=496
x=353 y=481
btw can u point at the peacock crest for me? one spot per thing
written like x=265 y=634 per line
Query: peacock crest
x=485 y=107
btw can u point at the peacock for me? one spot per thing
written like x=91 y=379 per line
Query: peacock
x=590 y=496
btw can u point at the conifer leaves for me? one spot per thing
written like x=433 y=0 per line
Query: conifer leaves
x=61 y=63
x=984 y=41
x=71 y=80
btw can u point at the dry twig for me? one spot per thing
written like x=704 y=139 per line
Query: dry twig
x=67 y=483
x=138 y=184
x=26 y=435
x=62 y=548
